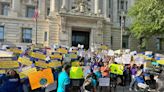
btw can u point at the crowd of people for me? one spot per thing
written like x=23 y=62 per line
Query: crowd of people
x=136 y=76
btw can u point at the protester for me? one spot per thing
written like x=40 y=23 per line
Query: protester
x=105 y=70
x=133 y=71
x=10 y=82
x=64 y=80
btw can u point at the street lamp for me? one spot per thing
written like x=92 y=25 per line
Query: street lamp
x=122 y=27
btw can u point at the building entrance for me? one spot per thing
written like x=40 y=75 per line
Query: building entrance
x=80 y=37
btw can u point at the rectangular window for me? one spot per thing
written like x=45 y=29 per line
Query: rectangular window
x=110 y=4
x=122 y=21
x=118 y=5
x=30 y=11
x=125 y=43
x=159 y=44
x=122 y=5
x=45 y=36
x=111 y=40
x=48 y=11
x=27 y=35
x=5 y=9
x=1 y=33
x=126 y=5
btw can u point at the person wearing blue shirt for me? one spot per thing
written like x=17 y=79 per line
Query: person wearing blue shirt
x=10 y=82
x=64 y=80
x=140 y=80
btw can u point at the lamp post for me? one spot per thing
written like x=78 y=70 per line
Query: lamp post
x=122 y=27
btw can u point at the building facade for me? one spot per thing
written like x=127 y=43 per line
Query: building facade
x=70 y=22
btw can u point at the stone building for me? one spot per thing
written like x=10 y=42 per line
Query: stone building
x=69 y=22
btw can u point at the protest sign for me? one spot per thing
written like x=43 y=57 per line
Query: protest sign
x=2 y=71
x=67 y=58
x=116 y=69
x=16 y=50
x=56 y=56
x=104 y=82
x=41 y=64
x=54 y=64
x=104 y=47
x=25 y=61
x=6 y=54
x=26 y=72
x=62 y=50
x=9 y=64
x=41 y=78
x=126 y=58
x=38 y=55
x=73 y=56
x=110 y=53
x=76 y=73
x=161 y=61
x=139 y=59
x=76 y=63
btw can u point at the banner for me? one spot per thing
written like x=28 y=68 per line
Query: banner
x=9 y=64
x=25 y=61
x=38 y=55
x=104 y=47
x=117 y=69
x=40 y=78
x=76 y=73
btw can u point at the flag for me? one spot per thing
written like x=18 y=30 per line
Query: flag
x=36 y=12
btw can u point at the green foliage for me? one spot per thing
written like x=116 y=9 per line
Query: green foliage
x=148 y=18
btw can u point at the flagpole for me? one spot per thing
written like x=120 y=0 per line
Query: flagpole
x=36 y=22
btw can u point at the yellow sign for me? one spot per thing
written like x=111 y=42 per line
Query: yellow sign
x=76 y=63
x=9 y=64
x=25 y=73
x=161 y=62
x=56 y=56
x=73 y=56
x=62 y=50
x=38 y=55
x=25 y=61
x=16 y=50
x=104 y=47
x=148 y=65
x=74 y=51
x=2 y=71
x=41 y=78
x=117 y=69
x=41 y=64
x=55 y=64
x=76 y=73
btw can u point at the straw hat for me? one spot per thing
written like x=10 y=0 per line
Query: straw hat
x=139 y=72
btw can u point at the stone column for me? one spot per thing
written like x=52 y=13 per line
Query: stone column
x=52 y=7
x=96 y=6
x=42 y=8
x=15 y=8
x=63 y=4
x=106 y=8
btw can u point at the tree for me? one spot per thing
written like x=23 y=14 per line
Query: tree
x=148 y=18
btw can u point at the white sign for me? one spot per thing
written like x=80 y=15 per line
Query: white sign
x=6 y=54
x=139 y=59
x=126 y=58
x=104 y=81
x=110 y=52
